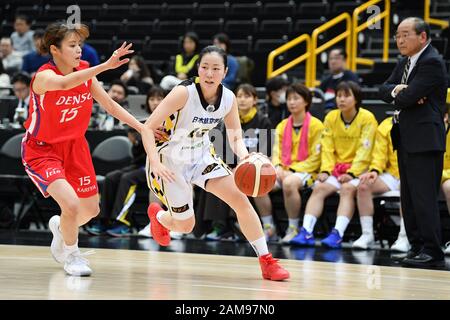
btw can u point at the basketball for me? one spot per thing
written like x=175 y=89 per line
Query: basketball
x=255 y=176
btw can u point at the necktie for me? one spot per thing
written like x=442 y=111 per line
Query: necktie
x=405 y=72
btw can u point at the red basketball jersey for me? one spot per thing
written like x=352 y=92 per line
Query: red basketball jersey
x=60 y=115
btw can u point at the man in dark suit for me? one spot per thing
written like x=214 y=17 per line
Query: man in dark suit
x=417 y=87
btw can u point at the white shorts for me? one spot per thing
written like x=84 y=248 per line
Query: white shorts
x=335 y=183
x=177 y=196
x=392 y=182
x=304 y=177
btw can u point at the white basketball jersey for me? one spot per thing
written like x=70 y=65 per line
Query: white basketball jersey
x=188 y=128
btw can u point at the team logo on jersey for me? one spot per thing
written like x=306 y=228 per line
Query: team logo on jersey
x=51 y=172
x=209 y=168
x=181 y=209
x=76 y=99
x=205 y=120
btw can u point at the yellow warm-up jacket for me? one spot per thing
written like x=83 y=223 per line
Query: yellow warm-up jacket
x=384 y=158
x=310 y=164
x=350 y=143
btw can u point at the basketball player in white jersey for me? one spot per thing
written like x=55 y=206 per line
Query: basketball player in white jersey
x=188 y=113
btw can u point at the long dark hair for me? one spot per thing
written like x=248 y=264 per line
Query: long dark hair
x=155 y=91
x=194 y=37
x=145 y=71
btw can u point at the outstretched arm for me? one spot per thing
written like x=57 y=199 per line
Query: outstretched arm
x=50 y=81
x=112 y=107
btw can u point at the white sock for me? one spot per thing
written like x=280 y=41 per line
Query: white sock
x=341 y=224
x=260 y=246
x=366 y=224
x=294 y=222
x=70 y=249
x=267 y=220
x=309 y=221
x=159 y=215
x=402 y=228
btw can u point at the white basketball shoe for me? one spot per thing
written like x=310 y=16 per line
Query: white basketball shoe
x=57 y=246
x=77 y=265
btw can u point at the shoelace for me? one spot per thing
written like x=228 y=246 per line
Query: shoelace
x=78 y=257
x=270 y=260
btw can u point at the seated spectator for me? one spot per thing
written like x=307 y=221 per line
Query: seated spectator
x=138 y=75
x=89 y=54
x=154 y=97
x=22 y=37
x=221 y=40
x=21 y=88
x=336 y=63
x=12 y=60
x=275 y=105
x=346 y=154
x=35 y=59
x=4 y=82
x=383 y=176
x=446 y=171
x=100 y=119
x=256 y=129
x=296 y=155
x=185 y=62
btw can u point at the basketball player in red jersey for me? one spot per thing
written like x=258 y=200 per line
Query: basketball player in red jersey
x=55 y=152
x=188 y=113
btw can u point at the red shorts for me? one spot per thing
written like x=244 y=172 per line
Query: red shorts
x=70 y=160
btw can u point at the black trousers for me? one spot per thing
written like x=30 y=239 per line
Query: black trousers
x=420 y=179
x=118 y=188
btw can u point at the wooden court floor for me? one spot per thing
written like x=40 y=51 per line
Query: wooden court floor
x=29 y=272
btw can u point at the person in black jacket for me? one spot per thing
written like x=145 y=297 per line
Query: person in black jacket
x=337 y=58
x=417 y=87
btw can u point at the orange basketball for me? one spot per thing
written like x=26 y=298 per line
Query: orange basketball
x=255 y=176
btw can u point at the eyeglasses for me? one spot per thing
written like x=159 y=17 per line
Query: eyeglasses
x=404 y=36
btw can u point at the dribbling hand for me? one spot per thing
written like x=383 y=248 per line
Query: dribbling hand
x=114 y=61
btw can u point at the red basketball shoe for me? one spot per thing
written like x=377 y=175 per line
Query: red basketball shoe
x=159 y=232
x=271 y=270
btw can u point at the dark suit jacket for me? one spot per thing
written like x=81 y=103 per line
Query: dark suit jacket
x=421 y=126
x=8 y=108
